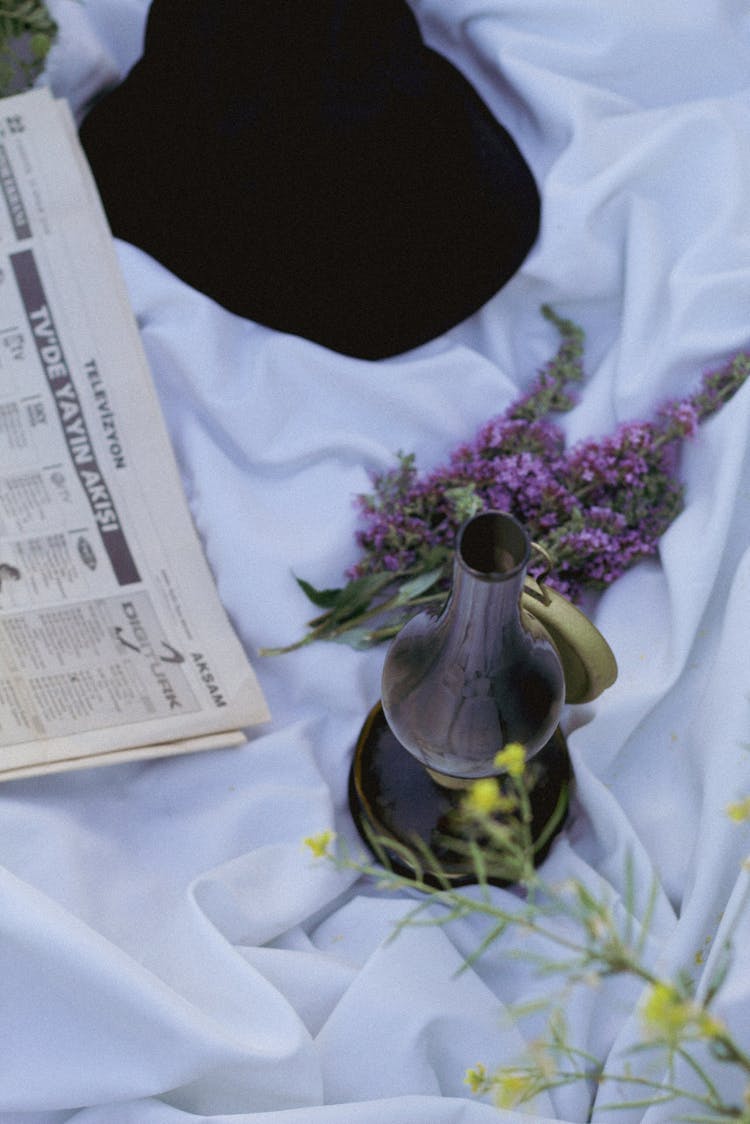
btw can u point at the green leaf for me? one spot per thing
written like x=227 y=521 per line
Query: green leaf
x=355 y=597
x=323 y=598
x=40 y=45
x=358 y=638
x=349 y=599
x=414 y=587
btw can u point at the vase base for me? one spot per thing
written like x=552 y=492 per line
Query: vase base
x=394 y=800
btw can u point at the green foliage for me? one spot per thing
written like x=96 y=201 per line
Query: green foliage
x=27 y=32
x=349 y=610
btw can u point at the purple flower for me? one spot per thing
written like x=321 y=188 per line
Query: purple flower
x=597 y=508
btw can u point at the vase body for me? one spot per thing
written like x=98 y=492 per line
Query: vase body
x=459 y=686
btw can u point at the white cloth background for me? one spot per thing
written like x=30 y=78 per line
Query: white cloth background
x=169 y=951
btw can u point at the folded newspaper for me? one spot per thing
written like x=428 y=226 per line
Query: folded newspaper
x=113 y=642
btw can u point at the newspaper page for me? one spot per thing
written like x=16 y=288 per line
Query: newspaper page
x=113 y=641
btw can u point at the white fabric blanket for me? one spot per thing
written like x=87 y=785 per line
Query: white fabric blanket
x=170 y=950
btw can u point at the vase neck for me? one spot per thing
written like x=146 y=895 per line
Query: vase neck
x=489 y=568
x=493 y=599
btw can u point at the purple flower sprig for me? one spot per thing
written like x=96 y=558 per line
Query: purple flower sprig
x=595 y=509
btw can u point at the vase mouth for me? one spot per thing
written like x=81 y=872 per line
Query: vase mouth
x=493 y=545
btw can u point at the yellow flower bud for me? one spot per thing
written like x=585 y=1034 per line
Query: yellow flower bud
x=665 y=1014
x=711 y=1026
x=476 y=1078
x=739 y=811
x=512 y=1088
x=319 y=844
x=512 y=758
x=484 y=797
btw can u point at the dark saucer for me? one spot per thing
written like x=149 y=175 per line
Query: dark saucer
x=394 y=799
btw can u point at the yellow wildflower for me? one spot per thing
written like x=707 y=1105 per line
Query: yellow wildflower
x=476 y=1078
x=739 y=811
x=484 y=797
x=319 y=844
x=710 y=1025
x=512 y=1087
x=512 y=758
x=665 y=1013
x=668 y=1016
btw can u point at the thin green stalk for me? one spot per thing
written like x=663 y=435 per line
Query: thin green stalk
x=674 y=1092
x=699 y=1071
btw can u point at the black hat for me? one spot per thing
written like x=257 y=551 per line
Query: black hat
x=312 y=165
